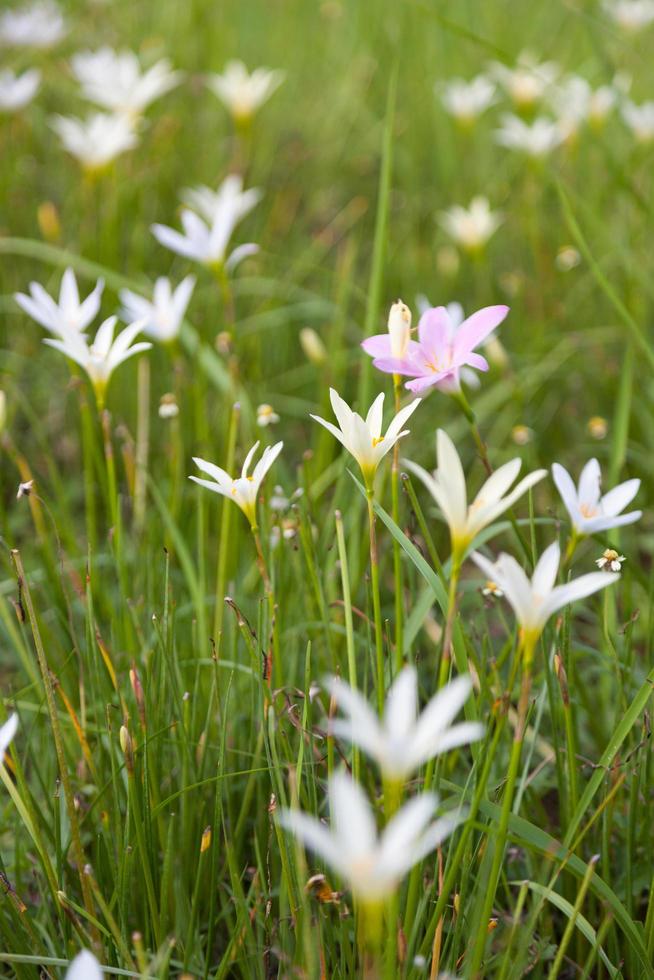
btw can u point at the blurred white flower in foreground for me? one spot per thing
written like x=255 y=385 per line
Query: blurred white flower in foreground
x=639 y=119
x=372 y=864
x=229 y=202
x=116 y=81
x=528 y=81
x=630 y=15
x=533 y=602
x=448 y=488
x=243 y=490
x=466 y=100
x=206 y=238
x=266 y=415
x=404 y=740
x=536 y=139
x=241 y=92
x=84 y=967
x=610 y=560
x=101 y=358
x=7 y=732
x=362 y=437
x=590 y=511
x=16 y=91
x=68 y=314
x=473 y=226
x=95 y=142
x=39 y=25
x=162 y=316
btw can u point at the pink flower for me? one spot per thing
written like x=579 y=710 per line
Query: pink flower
x=442 y=348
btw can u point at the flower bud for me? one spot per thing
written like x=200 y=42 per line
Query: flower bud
x=399 y=327
x=312 y=346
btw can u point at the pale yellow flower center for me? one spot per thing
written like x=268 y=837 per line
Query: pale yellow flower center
x=588 y=510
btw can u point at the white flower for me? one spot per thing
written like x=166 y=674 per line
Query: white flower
x=241 y=92
x=639 y=119
x=372 y=865
x=610 y=560
x=471 y=227
x=570 y=103
x=528 y=81
x=243 y=490
x=266 y=415
x=602 y=101
x=492 y=589
x=115 y=80
x=7 y=732
x=68 y=314
x=104 y=355
x=448 y=488
x=362 y=437
x=533 y=602
x=84 y=967
x=536 y=139
x=630 y=15
x=38 y=26
x=467 y=100
x=590 y=511
x=207 y=240
x=16 y=91
x=162 y=317
x=399 y=328
x=229 y=202
x=168 y=407
x=95 y=141
x=404 y=741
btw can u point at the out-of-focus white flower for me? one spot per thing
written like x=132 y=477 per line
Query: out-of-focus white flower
x=7 y=732
x=207 y=240
x=168 y=407
x=528 y=81
x=362 y=437
x=403 y=740
x=448 y=488
x=162 y=316
x=372 y=865
x=492 y=589
x=101 y=358
x=266 y=415
x=68 y=314
x=567 y=258
x=521 y=434
x=533 y=602
x=639 y=119
x=115 y=80
x=16 y=91
x=574 y=102
x=601 y=103
x=229 y=201
x=598 y=427
x=241 y=92
x=39 y=25
x=471 y=227
x=630 y=15
x=24 y=489
x=466 y=100
x=243 y=490
x=95 y=141
x=536 y=139
x=84 y=967
x=590 y=511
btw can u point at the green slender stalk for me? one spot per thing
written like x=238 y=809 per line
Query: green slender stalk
x=376 y=603
x=225 y=523
x=69 y=796
x=88 y=452
x=397 y=551
x=569 y=929
x=142 y=443
x=349 y=626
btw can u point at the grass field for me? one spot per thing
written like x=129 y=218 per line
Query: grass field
x=171 y=667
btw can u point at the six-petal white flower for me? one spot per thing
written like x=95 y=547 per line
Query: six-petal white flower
x=536 y=139
x=533 y=602
x=17 y=91
x=84 y=967
x=115 y=80
x=162 y=316
x=243 y=490
x=372 y=864
x=590 y=511
x=471 y=227
x=97 y=141
x=243 y=93
x=363 y=438
x=403 y=740
x=467 y=100
x=68 y=314
x=448 y=488
x=39 y=25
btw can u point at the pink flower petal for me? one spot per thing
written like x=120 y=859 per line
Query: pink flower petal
x=477 y=327
x=378 y=346
x=435 y=328
x=392 y=365
x=477 y=361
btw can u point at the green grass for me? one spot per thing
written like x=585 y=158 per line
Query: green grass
x=159 y=848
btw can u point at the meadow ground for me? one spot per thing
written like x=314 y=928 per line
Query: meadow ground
x=171 y=668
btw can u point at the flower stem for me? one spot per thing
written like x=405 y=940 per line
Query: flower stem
x=397 y=556
x=526 y=652
x=465 y=407
x=142 y=443
x=223 y=543
x=446 y=656
x=376 y=602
